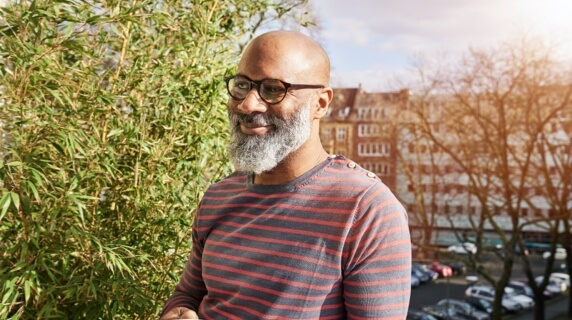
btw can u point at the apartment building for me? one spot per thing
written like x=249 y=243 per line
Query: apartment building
x=359 y=125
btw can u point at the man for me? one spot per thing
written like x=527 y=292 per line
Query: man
x=294 y=233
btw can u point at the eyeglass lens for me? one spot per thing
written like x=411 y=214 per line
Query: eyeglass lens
x=270 y=90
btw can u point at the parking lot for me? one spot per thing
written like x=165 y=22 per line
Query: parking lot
x=454 y=288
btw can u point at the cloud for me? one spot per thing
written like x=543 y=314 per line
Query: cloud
x=351 y=31
x=369 y=39
x=410 y=25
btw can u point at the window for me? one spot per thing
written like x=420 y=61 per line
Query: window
x=373 y=149
x=344 y=112
x=369 y=130
x=371 y=113
x=341 y=134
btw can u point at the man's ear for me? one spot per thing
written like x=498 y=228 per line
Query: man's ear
x=324 y=100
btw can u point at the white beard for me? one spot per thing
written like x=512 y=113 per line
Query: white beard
x=263 y=153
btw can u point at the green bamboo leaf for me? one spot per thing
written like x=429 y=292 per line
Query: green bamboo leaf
x=27 y=285
x=7 y=290
x=15 y=200
x=114 y=132
x=56 y=95
x=32 y=187
x=5 y=204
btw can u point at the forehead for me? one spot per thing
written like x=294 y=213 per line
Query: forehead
x=277 y=59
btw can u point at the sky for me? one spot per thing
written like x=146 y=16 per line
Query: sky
x=373 y=43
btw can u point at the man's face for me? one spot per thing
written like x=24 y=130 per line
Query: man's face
x=260 y=153
x=264 y=134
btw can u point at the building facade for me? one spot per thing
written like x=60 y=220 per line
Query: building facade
x=374 y=129
x=359 y=125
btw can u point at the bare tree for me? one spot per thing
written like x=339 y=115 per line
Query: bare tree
x=553 y=167
x=494 y=143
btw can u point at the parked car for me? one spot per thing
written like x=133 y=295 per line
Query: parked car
x=523 y=287
x=443 y=270
x=488 y=293
x=480 y=303
x=421 y=275
x=557 y=282
x=463 y=248
x=555 y=288
x=465 y=309
x=561 y=276
x=424 y=268
x=443 y=312
x=559 y=254
x=419 y=315
x=457 y=266
x=525 y=301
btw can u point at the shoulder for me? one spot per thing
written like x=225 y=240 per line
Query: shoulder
x=345 y=178
x=373 y=193
x=351 y=172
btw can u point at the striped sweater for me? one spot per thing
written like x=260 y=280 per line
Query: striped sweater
x=332 y=244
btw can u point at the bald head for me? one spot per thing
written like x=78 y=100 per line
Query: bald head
x=286 y=55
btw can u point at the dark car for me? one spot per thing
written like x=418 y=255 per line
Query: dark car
x=465 y=309
x=419 y=315
x=425 y=269
x=457 y=266
x=443 y=312
x=480 y=304
x=423 y=276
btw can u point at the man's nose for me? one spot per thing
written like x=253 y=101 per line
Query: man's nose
x=252 y=103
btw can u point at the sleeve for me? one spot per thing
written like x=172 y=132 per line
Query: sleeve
x=377 y=272
x=191 y=288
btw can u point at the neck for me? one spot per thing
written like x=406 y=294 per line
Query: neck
x=293 y=166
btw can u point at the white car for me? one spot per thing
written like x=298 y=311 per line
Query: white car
x=488 y=293
x=564 y=277
x=525 y=301
x=463 y=248
x=559 y=254
x=554 y=282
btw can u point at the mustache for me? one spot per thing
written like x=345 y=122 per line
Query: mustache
x=259 y=119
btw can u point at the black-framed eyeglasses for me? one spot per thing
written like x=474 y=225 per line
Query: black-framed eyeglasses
x=271 y=91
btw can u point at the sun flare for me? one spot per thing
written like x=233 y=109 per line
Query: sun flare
x=550 y=19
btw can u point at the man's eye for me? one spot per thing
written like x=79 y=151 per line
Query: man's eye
x=243 y=85
x=273 y=89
